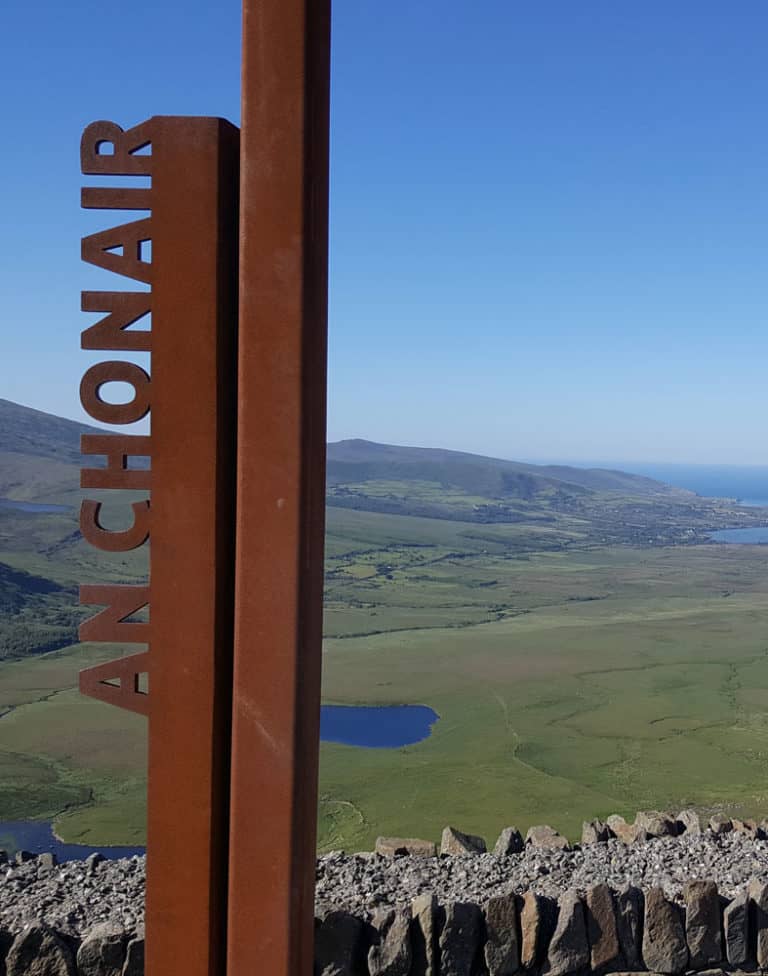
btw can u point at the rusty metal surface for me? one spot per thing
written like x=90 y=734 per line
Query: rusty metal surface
x=99 y=682
x=192 y=396
x=281 y=485
x=194 y=254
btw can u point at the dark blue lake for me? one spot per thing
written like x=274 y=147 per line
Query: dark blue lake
x=31 y=506
x=37 y=837
x=758 y=535
x=376 y=727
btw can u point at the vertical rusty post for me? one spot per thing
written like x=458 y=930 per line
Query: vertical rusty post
x=192 y=271
x=281 y=485
x=194 y=252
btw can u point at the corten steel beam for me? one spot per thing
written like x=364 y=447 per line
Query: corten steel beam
x=194 y=252
x=192 y=394
x=281 y=485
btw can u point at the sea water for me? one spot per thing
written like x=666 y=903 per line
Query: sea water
x=749 y=484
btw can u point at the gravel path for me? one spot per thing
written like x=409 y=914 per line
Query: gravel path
x=360 y=883
x=74 y=896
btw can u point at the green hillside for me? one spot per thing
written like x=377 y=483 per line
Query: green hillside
x=42 y=556
x=39 y=455
x=24 y=431
x=585 y=647
x=360 y=460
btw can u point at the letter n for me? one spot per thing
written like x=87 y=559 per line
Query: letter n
x=111 y=624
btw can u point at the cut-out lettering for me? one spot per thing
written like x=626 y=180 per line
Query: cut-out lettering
x=108 y=150
x=115 y=372
x=123 y=159
x=111 y=333
x=99 y=682
x=115 y=198
x=111 y=540
x=118 y=249
x=120 y=601
x=117 y=448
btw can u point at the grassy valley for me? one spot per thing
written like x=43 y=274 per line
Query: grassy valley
x=587 y=649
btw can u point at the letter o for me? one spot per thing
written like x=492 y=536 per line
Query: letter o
x=115 y=372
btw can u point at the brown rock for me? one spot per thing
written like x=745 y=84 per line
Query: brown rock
x=502 y=947
x=664 y=948
x=340 y=945
x=758 y=920
x=102 y=952
x=393 y=846
x=424 y=933
x=546 y=837
x=720 y=824
x=747 y=827
x=460 y=939
x=656 y=823
x=630 y=908
x=390 y=955
x=631 y=833
x=531 y=929
x=134 y=955
x=737 y=931
x=689 y=822
x=627 y=833
x=39 y=951
x=594 y=832
x=454 y=842
x=568 y=950
x=602 y=931
x=510 y=842
x=702 y=924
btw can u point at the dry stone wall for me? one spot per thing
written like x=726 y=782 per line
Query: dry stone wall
x=40 y=950
x=84 y=918
x=603 y=931
x=597 y=929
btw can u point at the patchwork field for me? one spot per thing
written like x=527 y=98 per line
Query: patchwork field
x=602 y=681
x=569 y=685
x=587 y=651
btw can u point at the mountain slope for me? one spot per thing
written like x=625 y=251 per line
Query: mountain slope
x=39 y=455
x=37 y=434
x=360 y=461
x=29 y=433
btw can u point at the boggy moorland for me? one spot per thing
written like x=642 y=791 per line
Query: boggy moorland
x=587 y=649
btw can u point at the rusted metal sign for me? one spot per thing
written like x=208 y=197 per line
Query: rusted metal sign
x=281 y=485
x=235 y=582
x=191 y=393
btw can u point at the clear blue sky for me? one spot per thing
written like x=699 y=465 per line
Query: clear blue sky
x=549 y=219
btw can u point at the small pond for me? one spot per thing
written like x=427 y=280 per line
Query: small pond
x=37 y=837
x=376 y=727
x=753 y=536
x=31 y=506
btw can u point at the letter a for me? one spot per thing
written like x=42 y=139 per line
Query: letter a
x=98 y=682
